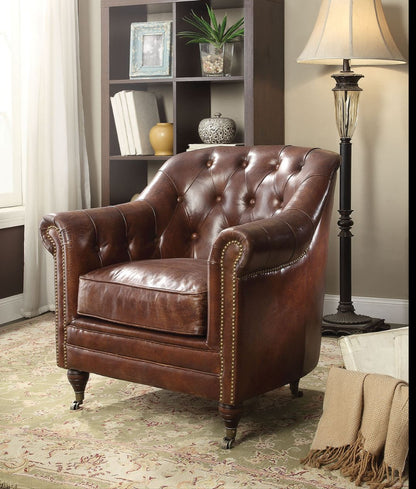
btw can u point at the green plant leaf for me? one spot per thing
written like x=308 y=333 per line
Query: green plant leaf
x=211 y=32
x=193 y=37
x=234 y=31
x=212 y=18
x=223 y=27
x=199 y=23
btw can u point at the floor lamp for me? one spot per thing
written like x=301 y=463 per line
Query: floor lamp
x=349 y=32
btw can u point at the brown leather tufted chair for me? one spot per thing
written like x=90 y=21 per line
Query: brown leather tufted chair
x=210 y=283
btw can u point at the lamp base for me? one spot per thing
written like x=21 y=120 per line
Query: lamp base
x=346 y=323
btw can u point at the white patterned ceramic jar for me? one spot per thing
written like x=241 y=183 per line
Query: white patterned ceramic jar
x=217 y=130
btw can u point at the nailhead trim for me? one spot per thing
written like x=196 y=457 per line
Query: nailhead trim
x=64 y=312
x=268 y=271
x=271 y=271
x=233 y=314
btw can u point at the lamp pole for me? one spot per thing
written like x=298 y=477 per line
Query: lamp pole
x=345 y=320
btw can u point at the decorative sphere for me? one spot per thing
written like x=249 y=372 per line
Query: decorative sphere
x=217 y=130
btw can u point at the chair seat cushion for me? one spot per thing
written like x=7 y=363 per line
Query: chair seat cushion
x=163 y=294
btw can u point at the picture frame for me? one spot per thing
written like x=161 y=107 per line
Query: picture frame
x=150 y=49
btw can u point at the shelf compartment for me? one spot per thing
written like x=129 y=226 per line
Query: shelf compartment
x=127 y=177
x=120 y=20
x=225 y=98
x=164 y=96
x=188 y=113
x=187 y=55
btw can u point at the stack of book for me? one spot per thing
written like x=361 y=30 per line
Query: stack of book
x=135 y=113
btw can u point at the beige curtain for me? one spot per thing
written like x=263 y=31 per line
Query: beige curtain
x=54 y=149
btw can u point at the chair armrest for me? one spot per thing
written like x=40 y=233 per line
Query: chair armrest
x=279 y=240
x=266 y=286
x=267 y=243
x=261 y=308
x=239 y=255
x=102 y=236
x=83 y=240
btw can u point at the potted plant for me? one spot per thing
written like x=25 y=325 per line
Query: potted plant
x=215 y=41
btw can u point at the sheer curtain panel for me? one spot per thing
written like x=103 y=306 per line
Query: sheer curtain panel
x=54 y=149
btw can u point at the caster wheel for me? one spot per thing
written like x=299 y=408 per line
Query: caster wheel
x=75 y=405
x=228 y=443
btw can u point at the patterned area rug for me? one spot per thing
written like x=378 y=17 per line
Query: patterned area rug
x=130 y=436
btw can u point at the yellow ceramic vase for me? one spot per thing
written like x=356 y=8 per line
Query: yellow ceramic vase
x=161 y=138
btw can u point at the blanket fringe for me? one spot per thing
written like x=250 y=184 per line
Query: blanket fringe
x=318 y=458
x=357 y=464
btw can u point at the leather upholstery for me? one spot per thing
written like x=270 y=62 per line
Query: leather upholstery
x=210 y=283
x=165 y=295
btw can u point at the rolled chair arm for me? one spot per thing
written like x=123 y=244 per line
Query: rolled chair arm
x=102 y=236
x=279 y=240
x=267 y=243
x=243 y=252
x=83 y=240
x=256 y=269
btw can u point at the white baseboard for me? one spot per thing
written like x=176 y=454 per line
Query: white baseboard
x=394 y=311
x=10 y=308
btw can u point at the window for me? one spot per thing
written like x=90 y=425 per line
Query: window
x=10 y=134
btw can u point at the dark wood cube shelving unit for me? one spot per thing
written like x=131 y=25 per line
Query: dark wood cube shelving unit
x=254 y=93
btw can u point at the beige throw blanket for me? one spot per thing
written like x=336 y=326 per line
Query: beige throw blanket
x=364 y=428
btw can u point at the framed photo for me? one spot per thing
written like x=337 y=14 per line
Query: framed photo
x=150 y=49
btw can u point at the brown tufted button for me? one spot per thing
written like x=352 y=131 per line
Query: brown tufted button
x=244 y=164
x=252 y=201
x=194 y=235
x=219 y=198
x=179 y=199
x=209 y=163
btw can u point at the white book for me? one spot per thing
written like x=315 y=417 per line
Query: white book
x=126 y=118
x=120 y=126
x=144 y=114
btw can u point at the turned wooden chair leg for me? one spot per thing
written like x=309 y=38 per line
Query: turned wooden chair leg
x=78 y=380
x=231 y=416
x=294 y=389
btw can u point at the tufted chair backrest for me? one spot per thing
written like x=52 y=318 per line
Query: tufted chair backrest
x=197 y=194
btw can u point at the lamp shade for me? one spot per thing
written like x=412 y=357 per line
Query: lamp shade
x=351 y=29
